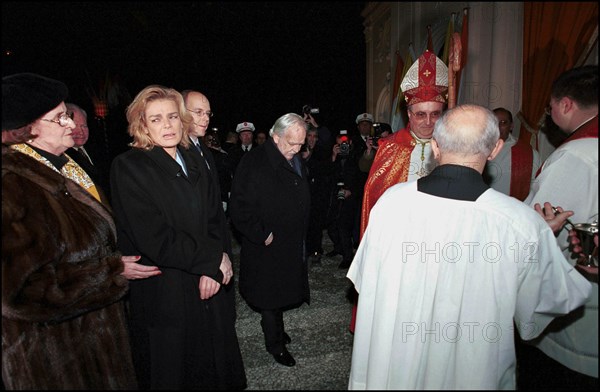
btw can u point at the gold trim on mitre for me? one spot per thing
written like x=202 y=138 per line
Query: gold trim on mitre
x=426 y=80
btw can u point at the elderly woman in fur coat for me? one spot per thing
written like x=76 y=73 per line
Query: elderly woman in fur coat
x=63 y=324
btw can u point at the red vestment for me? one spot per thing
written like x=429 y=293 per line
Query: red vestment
x=391 y=166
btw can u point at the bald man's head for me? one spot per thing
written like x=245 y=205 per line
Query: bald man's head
x=467 y=135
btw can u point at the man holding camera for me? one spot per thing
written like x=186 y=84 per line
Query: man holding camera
x=360 y=141
x=311 y=115
x=345 y=198
x=380 y=130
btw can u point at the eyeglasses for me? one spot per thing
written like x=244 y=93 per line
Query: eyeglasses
x=201 y=112
x=63 y=120
x=423 y=115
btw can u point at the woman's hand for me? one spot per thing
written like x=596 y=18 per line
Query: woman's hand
x=132 y=270
x=208 y=287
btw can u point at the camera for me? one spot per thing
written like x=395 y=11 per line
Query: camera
x=214 y=137
x=345 y=144
x=307 y=109
x=341 y=194
x=378 y=130
x=376 y=134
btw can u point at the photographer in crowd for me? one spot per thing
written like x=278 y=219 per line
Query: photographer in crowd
x=380 y=130
x=364 y=126
x=317 y=161
x=312 y=118
x=345 y=198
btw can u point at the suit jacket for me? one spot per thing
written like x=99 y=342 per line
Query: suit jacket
x=92 y=170
x=224 y=171
x=220 y=177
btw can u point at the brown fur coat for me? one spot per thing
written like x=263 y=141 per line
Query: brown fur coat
x=63 y=324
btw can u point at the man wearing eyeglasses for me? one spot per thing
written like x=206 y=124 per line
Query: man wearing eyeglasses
x=406 y=155
x=198 y=105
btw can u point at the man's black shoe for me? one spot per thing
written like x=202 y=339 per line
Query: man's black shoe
x=285 y=358
x=286 y=338
x=332 y=253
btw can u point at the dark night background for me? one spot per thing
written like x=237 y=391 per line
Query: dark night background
x=255 y=61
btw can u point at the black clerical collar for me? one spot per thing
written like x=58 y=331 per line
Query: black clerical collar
x=58 y=161
x=453 y=182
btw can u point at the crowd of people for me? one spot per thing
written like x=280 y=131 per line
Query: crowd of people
x=455 y=235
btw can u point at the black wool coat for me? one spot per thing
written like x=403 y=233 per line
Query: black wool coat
x=268 y=196
x=63 y=323
x=176 y=222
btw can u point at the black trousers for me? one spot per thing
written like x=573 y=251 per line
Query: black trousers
x=272 y=326
x=340 y=228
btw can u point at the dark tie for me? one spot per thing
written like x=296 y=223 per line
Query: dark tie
x=295 y=163
x=245 y=148
x=202 y=154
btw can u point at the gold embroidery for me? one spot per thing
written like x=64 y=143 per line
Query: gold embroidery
x=423 y=142
x=70 y=170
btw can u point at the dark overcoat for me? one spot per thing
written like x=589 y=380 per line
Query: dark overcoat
x=175 y=221
x=268 y=196
x=63 y=320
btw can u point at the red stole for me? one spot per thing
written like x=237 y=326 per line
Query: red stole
x=521 y=157
x=390 y=166
x=589 y=129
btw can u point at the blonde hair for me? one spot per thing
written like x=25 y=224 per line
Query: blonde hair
x=137 y=121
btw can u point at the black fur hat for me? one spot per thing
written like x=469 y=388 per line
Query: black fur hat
x=28 y=96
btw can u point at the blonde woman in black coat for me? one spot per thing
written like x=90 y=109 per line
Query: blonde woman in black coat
x=270 y=203
x=183 y=320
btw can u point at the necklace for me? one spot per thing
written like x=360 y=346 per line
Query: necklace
x=423 y=142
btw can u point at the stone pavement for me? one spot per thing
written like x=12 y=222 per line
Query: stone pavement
x=321 y=342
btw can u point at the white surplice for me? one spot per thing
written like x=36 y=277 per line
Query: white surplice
x=569 y=179
x=440 y=282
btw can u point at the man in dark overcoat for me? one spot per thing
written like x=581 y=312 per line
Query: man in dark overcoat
x=269 y=205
